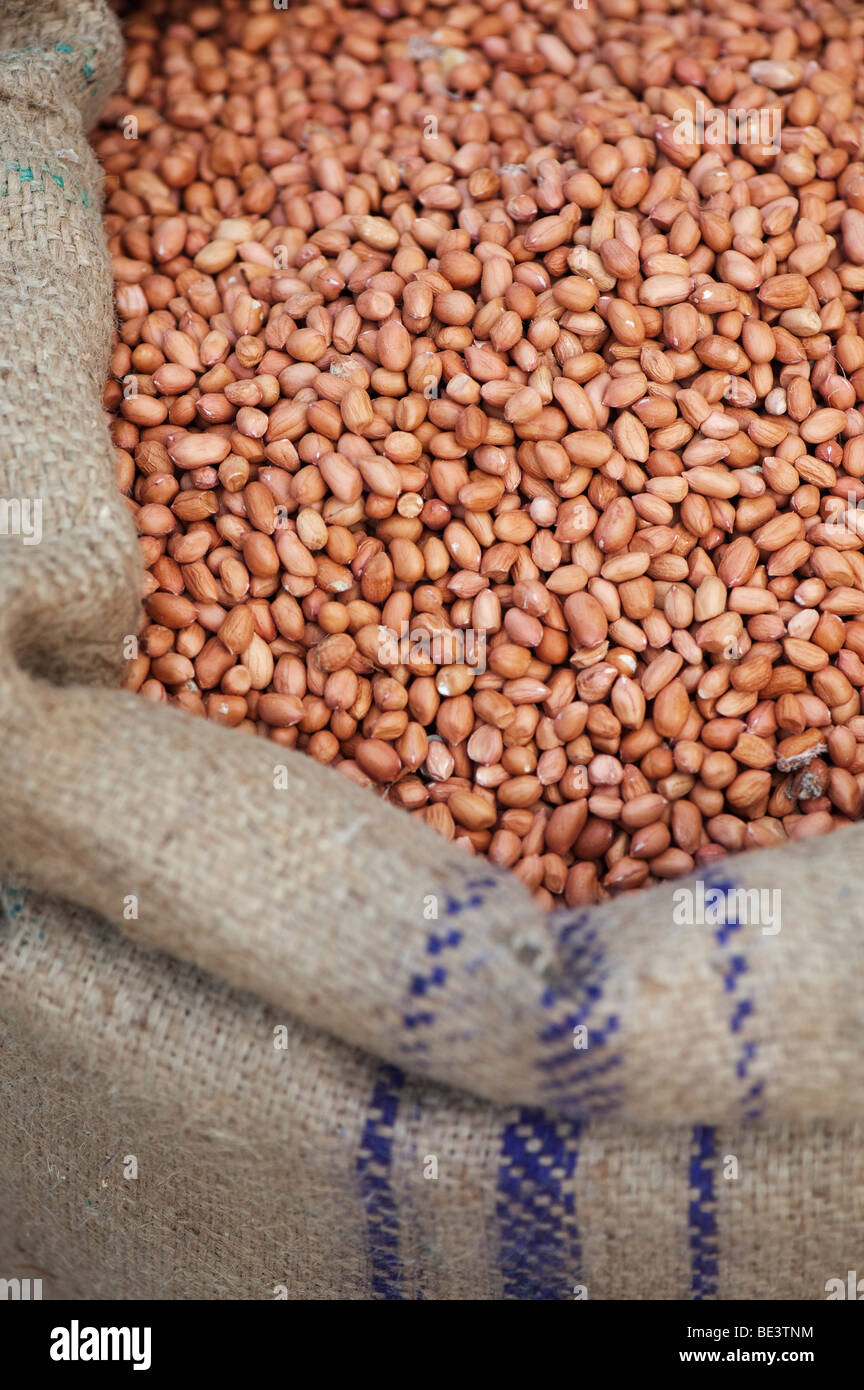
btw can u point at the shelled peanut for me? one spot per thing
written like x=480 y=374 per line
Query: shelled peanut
x=431 y=323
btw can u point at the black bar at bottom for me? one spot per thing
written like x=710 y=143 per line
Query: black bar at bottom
x=62 y=1339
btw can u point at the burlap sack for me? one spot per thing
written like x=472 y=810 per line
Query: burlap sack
x=348 y=1060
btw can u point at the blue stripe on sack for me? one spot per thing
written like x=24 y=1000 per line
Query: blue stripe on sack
x=444 y=939
x=373 y=1165
x=735 y=984
x=703 y=1215
x=567 y=1076
x=578 y=1078
x=539 y=1251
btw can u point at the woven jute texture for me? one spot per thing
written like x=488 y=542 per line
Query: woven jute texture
x=263 y=1042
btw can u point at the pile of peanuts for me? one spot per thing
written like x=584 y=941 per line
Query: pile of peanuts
x=430 y=321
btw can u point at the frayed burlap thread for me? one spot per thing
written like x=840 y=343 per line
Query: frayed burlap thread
x=469 y=1098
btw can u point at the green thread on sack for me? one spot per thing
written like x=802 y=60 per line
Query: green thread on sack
x=87 y=69
x=14 y=904
x=26 y=175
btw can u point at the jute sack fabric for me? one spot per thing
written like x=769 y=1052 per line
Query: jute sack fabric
x=577 y=1081
x=303 y=1171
